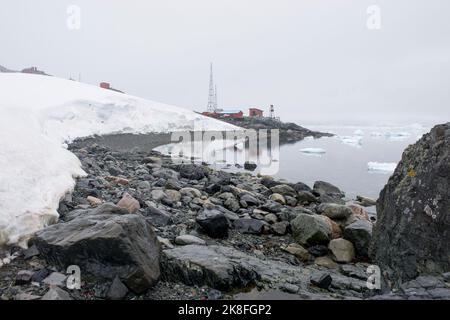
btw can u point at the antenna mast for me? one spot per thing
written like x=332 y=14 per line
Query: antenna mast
x=212 y=95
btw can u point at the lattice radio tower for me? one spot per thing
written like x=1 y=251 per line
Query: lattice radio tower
x=212 y=101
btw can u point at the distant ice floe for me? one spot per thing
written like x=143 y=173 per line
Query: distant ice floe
x=381 y=167
x=398 y=136
x=376 y=134
x=313 y=151
x=358 y=133
x=354 y=141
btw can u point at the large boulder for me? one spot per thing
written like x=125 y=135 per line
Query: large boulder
x=360 y=234
x=249 y=226
x=105 y=243
x=219 y=267
x=334 y=211
x=214 y=223
x=412 y=233
x=311 y=229
x=193 y=172
x=343 y=250
x=284 y=190
x=328 y=193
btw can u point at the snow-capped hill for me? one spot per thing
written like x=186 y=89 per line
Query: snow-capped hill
x=38 y=114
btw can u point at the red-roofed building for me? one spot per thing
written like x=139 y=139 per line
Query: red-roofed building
x=255 y=112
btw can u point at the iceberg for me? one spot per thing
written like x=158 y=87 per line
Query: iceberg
x=381 y=167
x=313 y=151
x=354 y=141
x=39 y=117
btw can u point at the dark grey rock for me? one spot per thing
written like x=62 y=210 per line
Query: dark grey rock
x=24 y=277
x=117 y=290
x=156 y=216
x=440 y=293
x=289 y=287
x=213 y=223
x=322 y=187
x=57 y=294
x=250 y=200
x=284 y=190
x=446 y=276
x=106 y=246
x=272 y=206
x=306 y=197
x=354 y=271
x=360 y=234
x=30 y=252
x=300 y=186
x=281 y=228
x=40 y=275
x=213 y=188
x=412 y=233
x=56 y=279
x=249 y=226
x=318 y=250
x=321 y=279
x=221 y=268
x=334 y=211
x=250 y=166
x=193 y=172
x=310 y=230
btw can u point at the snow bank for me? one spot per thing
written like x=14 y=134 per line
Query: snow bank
x=38 y=116
x=382 y=167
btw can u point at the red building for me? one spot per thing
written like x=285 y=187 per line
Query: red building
x=236 y=114
x=105 y=85
x=255 y=112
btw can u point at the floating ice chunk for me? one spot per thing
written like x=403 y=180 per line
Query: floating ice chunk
x=382 y=167
x=376 y=134
x=358 y=133
x=313 y=150
x=354 y=141
x=398 y=136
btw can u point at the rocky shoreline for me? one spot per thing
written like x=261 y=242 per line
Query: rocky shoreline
x=142 y=227
x=288 y=132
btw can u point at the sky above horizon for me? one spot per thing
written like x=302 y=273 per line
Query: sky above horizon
x=317 y=61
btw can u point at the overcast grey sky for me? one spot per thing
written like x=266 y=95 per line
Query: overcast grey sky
x=316 y=60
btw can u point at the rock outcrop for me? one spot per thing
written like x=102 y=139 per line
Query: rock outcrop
x=107 y=244
x=412 y=234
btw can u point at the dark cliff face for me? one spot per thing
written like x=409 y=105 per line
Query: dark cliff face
x=412 y=234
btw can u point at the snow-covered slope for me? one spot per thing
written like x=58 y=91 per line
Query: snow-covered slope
x=38 y=115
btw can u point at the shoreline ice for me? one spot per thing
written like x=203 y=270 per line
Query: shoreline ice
x=381 y=167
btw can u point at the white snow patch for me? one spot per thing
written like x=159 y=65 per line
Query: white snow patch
x=382 y=167
x=39 y=115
